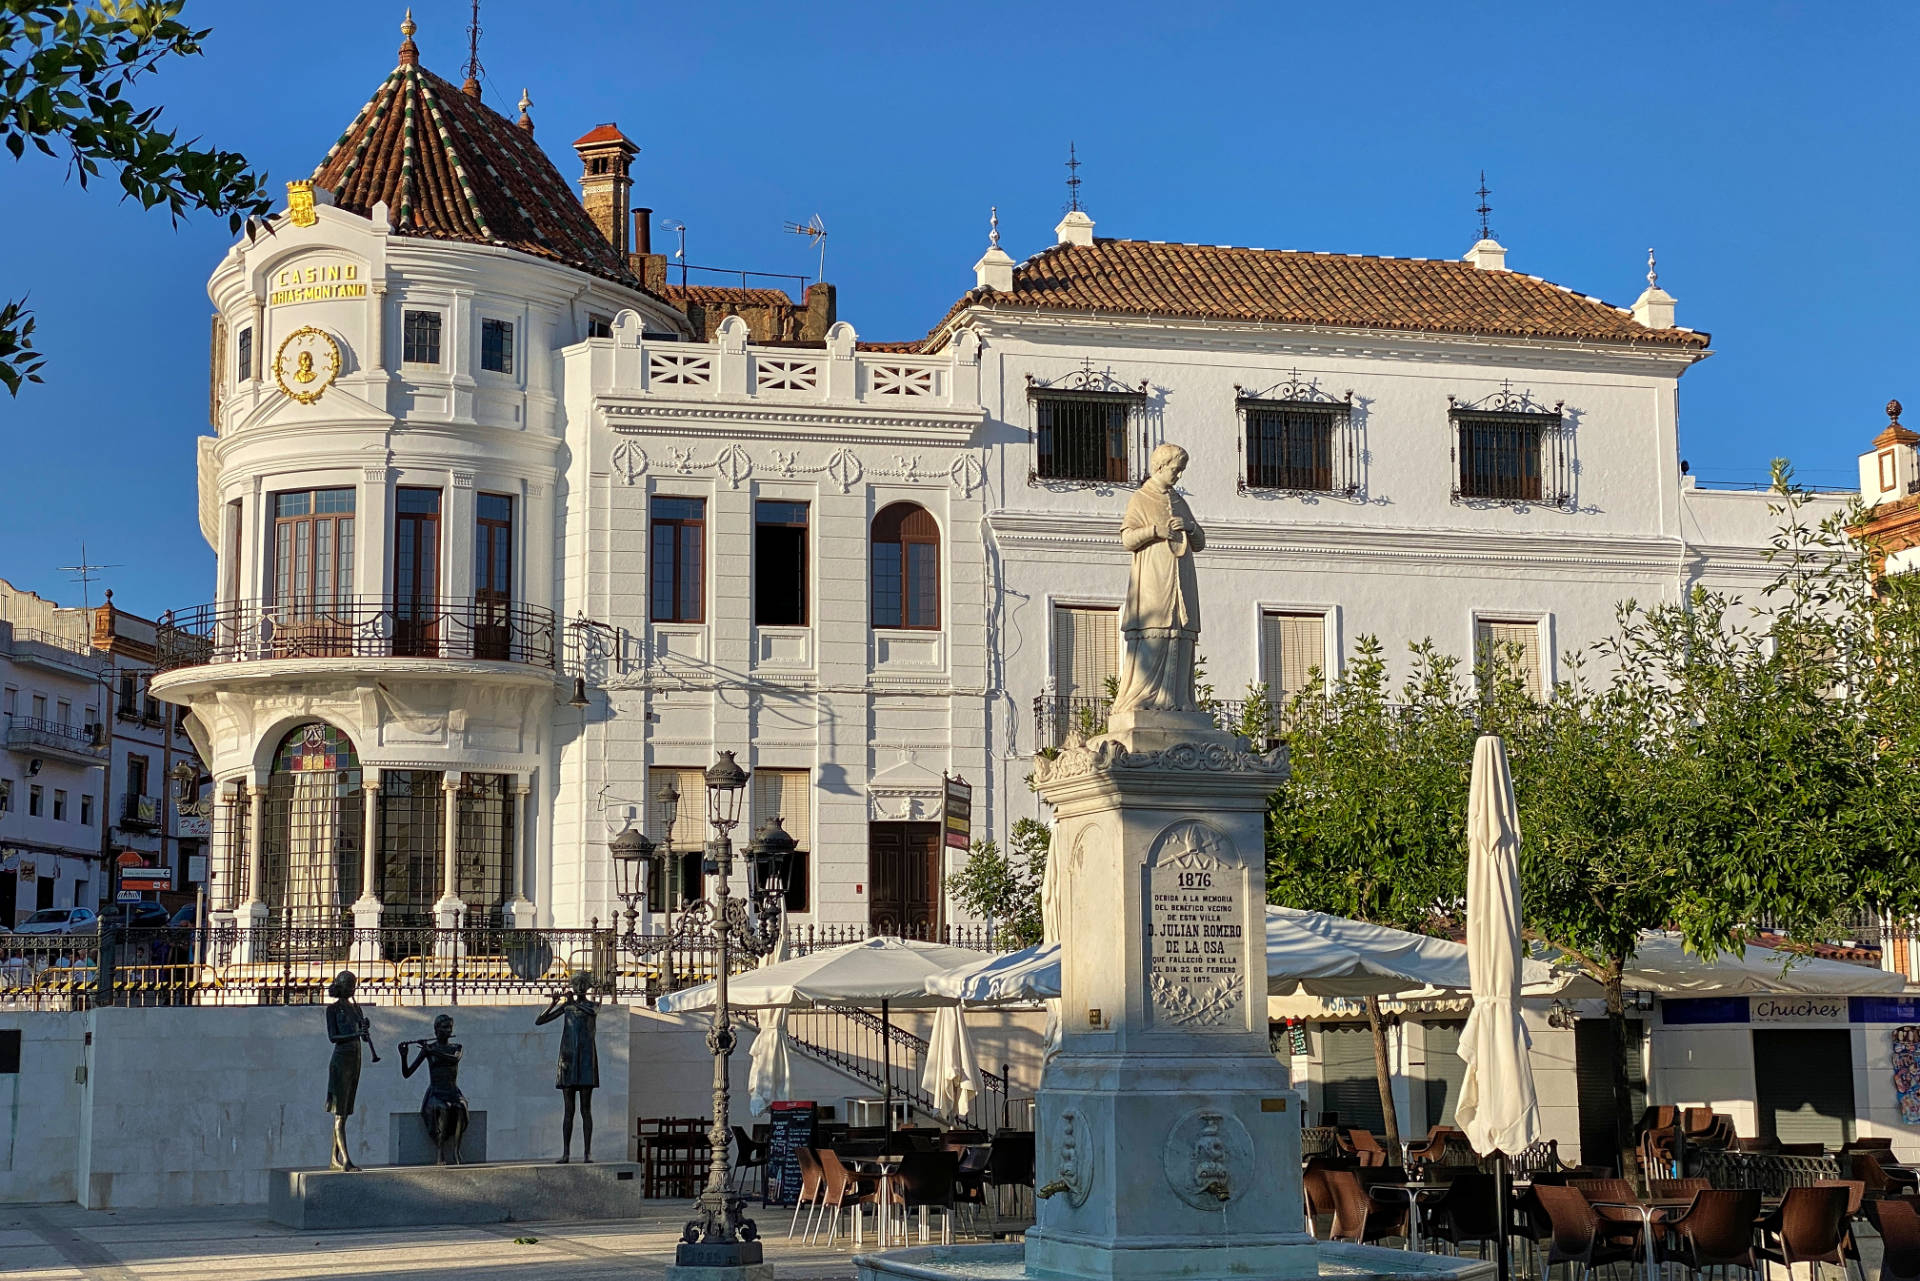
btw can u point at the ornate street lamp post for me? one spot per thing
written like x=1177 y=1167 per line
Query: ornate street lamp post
x=719 y=1235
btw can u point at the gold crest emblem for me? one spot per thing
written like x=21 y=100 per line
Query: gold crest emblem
x=306 y=364
x=300 y=203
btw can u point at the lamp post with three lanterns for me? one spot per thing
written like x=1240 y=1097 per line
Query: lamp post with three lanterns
x=720 y=1235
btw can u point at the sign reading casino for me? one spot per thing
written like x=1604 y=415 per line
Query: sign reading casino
x=317 y=284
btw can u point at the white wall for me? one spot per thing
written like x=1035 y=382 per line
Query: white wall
x=41 y=1109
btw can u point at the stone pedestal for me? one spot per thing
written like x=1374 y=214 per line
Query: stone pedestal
x=519 y=913
x=419 y=1196
x=252 y=919
x=367 y=911
x=1168 y=1135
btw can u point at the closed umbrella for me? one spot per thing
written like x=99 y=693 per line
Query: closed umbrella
x=952 y=1077
x=1498 y=1108
x=769 y=1063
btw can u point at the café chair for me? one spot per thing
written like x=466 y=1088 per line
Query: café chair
x=1856 y=1199
x=842 y=1189
x=924 y=1181
x=1899 y=1225
x=1677 y=1189
x=1714 y=1231
x=812 y=1183
x=1360 y=1218
x=1809 y=1227
x=1469 y=1210
x=1580 y=1236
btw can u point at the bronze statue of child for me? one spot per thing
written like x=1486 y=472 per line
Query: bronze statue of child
x=444 y=1109
x=579 y=1069
x=347 y=1027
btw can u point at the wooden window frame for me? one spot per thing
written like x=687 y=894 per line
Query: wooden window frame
x=675 y=528
x=805 y=526
x=903 y=541
x=294 y=550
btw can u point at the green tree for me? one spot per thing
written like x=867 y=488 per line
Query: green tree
x=65 y=71
x=1371 y=823
x=1004 y=888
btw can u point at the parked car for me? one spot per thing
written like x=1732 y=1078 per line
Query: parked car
x=139 y=916
x=59 y=920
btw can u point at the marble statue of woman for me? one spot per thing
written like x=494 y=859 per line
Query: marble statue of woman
x=1160 y=624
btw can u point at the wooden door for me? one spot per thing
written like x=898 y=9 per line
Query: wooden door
x=903 y=878
x=416 y=573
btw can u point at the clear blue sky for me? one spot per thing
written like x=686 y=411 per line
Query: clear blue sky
x=1766 y=149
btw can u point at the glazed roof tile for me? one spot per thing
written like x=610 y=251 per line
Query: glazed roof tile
x=451 y=168
x=1216 y=282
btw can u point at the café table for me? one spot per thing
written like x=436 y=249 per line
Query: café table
x=1414 y=1192
x=883 y=1166
x=1648 y=1211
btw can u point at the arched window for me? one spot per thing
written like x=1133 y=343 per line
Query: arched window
x=906 y=567
x=310 y=860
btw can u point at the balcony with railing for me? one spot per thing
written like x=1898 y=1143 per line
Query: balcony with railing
x=1055 y=716
x=139 y=812
x=38 y=648
x=357 y=628
x=32 y=734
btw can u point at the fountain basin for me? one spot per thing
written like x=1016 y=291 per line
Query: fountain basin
x=1337 y=1261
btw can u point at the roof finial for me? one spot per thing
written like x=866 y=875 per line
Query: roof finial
x=471 y=86
x=409 y=53
x=1893 y=412
x=1653 y=277
x=526 y=121
x=1073 y=178
x=993 y=223
x=1486 y=232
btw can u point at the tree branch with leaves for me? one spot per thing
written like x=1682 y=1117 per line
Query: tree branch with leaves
x=65 y=73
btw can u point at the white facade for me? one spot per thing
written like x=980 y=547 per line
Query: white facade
x=450 y=477
x=52 y=768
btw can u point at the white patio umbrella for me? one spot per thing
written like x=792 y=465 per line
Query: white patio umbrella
x=886 y=972
x=769 y=1063
x=1498 y=1108
x=1297 y=958
x=1441 y=964
x=952 y=1077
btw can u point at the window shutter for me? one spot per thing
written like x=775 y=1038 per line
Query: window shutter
x=1516 y=643
x=1086 y=651
x=785 y=794
x=1291 y=646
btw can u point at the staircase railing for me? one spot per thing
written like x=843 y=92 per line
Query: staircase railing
x=849 y=1040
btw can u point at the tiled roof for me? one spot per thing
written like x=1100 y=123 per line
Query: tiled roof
x=601 y=133
x=451 y=168
x=1213 y=282
x=722 y=295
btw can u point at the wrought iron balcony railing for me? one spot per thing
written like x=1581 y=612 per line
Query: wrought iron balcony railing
x=1057 y=715
x=25 y=733
x=355 y=628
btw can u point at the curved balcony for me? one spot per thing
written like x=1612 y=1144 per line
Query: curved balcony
x=363 y=627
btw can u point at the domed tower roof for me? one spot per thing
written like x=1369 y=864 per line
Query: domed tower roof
x=451 y=168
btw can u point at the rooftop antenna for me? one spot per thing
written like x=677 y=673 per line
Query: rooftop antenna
x=679 y=255
x=472 y=85
x=816 y=231
x=1486 y=232
x=1073 y=179
x=84 y=574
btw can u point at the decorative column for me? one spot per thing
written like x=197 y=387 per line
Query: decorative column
x=253 y=914
x=368 y=908
x=519 y=912
x=448 y=909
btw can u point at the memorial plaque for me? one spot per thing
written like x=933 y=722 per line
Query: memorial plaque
x=1196 y=933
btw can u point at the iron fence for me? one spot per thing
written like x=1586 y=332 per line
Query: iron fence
x=356 y=627
x=292 y=965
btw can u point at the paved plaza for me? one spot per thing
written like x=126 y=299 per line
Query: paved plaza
x=237 y=1243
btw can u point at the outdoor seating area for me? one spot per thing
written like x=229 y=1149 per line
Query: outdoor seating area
x=1740 y=1206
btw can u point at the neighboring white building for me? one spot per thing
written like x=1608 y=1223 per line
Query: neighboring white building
x=1401 y=448
x=52 y=771
x=471 y=447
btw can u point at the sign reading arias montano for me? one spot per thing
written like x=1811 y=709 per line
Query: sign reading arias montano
x=316 y=284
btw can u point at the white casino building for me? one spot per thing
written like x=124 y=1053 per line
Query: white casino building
x=464 y=457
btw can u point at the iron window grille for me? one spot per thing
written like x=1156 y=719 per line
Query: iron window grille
x=420 y=338
x=412 y=829
x=483 y=858
x=1509 y=450
x=1086 y=426
x=1298 y=439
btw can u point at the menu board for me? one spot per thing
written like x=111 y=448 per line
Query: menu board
x=790 y=1130
x=1196 y=942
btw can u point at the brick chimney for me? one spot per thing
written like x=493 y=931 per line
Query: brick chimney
x=606 y=183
